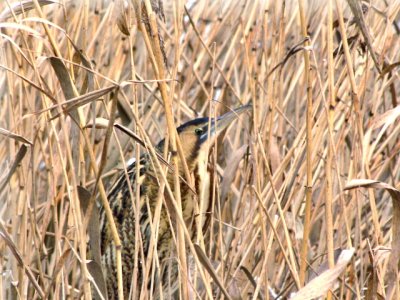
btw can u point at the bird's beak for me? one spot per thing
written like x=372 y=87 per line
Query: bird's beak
x=224 y=121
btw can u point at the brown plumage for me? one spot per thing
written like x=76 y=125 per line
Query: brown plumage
x=193 y=136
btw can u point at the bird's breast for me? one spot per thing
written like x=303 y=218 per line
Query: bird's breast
x=203 y=186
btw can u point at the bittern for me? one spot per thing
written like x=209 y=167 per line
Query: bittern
x=194 y=135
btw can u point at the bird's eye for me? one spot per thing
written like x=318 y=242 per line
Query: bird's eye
x=198 y=131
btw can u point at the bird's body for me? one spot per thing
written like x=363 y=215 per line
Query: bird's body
x=193 y=136
x=124 y=217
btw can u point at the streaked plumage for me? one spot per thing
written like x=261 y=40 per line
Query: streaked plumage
x=193 y=136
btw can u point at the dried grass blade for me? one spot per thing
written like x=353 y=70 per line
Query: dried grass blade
x=93 y=266
x=6 y=237
x=109 y=131
x=63 y=77
x=252 y=281
x=84 y=99
x=387 y=118
x=359 y=19
x=57 y=270
x=93 y=225
x=99 y=123
x=394 y=258
x=98 y=278
x=19 y=27
x=372 y=285
x=30 y=83
x=14 y=136
x=132 y=135
x=77 y=101
x=86 y=63
x=322 y=283
x=292 y=51
x=20 y=7
x=389 y=68
x=18 y=158
x=207 y=265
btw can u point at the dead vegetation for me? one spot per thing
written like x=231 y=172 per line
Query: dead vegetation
x=323 y=81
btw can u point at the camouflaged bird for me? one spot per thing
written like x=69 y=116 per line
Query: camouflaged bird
x=193 y=136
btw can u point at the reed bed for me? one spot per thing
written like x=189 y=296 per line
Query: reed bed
x=306 y=198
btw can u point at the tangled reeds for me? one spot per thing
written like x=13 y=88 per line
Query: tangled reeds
x=306 y=197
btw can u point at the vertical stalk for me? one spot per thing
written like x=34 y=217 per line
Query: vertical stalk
x=135 y=288
x=350 y=71
x=307 y=214
x=329 y=159
x=162 y=85
x=78 y=219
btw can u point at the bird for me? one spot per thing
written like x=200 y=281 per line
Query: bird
x=196 y=137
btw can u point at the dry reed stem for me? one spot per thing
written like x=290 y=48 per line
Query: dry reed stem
x=233 y=52
x=309 y=149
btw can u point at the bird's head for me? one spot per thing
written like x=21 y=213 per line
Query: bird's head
x=198 y=135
